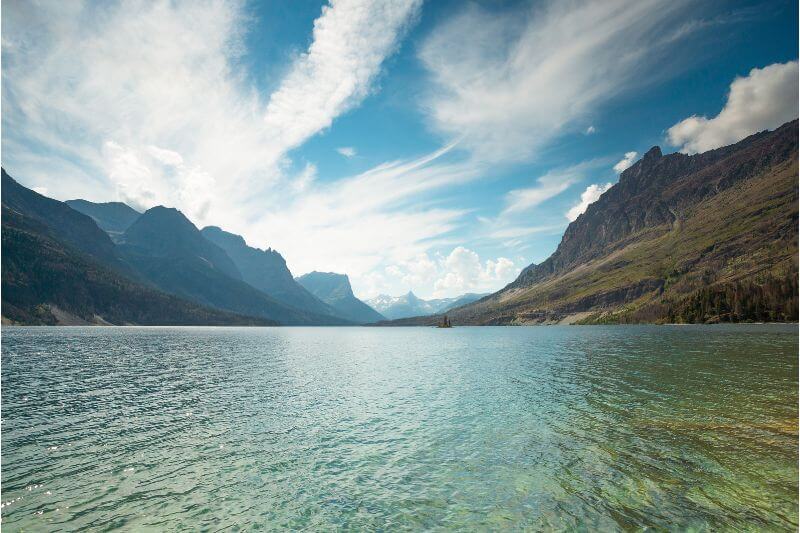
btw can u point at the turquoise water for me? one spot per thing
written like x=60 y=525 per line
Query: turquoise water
x=542 y=428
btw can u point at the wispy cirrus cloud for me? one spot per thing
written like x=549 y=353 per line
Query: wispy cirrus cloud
x=547 y=186
x=347 y=151
x=350 y=41
x=148 y=99
x=380 y=217
x=510 y=82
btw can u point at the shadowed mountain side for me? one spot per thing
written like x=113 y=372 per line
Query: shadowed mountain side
x=170 y=252
x=67 y=225
x=46 y=281
x=335 y=290
x=703 y=238
x=112 y=217
x=164 y=232
x=266 y=270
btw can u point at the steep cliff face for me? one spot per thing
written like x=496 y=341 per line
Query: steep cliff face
x=335 y=290
x=658 y=190
x=266 y=270
x=673 y=225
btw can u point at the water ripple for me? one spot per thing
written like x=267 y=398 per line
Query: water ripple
x=557 y=428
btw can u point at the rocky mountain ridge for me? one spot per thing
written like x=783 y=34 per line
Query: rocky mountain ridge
x=335 y=290
x=680 y=238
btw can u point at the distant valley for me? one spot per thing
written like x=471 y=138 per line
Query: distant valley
x=409 y=305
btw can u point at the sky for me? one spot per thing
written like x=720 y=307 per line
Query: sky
x=436 y=146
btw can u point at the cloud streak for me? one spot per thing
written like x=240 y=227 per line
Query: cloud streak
x=511 y=82
x=148 y=99
x=548 y=186
x=350 y=41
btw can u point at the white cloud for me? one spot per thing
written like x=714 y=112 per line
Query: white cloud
x=40 y=190
x=764 y=99
x=589 y=196
x=462 y=271
x=364 y=223
x=440 y=276
x=144 y=176
x=590 y=130
x=511 y=232
x=625 y=162
x=350 y=41
x=168 y=157
x=305 y=179
x=149 y=100
x=511 y=82
x=347 y=151
x=549 y=185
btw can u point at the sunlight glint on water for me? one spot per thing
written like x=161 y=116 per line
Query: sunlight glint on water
x=406 y=428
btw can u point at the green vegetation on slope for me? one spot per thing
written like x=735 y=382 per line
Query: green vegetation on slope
x=693 y=238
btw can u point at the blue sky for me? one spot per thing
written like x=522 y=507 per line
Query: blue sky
x=437 y=146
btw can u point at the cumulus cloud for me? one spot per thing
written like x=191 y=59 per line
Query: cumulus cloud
x=764 y=99
x=625 y=162
x=347 y=151
x=511 y=82
x=589 y=196
x=462 y=271
x=441 y=275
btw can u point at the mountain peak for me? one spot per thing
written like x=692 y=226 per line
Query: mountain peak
x=112 y=217
x=335 y=290
x=166 y=232
x=215 y=233
x=653 y=154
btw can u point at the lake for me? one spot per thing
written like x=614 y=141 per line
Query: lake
x=539 y=428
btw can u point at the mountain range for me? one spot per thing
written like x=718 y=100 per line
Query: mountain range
x=711 y=237
x=409 y=305
x=112 y=217
x=80 y=262
x=335 y=290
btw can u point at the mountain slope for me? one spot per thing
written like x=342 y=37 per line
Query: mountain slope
x=335 y=290
x=166 y=232
x=112 y=217
x=169 y=251
x=719 y=226
x=75 y=229
x=47 y=281
x=409 y=305
x=266 y=271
